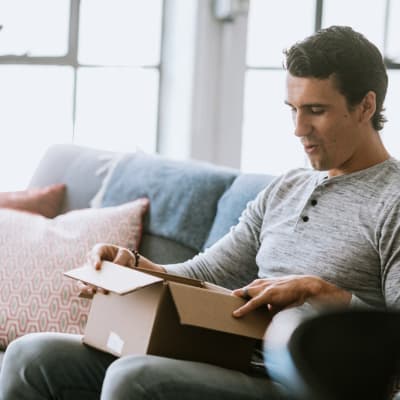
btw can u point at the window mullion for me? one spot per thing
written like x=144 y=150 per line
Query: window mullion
x=73 y=33
x=318 y=14
x=34 y=60
x=386 y=28
x=73 y=55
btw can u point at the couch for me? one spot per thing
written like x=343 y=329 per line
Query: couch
x=192 y=205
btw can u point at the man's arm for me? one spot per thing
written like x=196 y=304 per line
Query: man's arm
x=389 y=249
x=231 y=261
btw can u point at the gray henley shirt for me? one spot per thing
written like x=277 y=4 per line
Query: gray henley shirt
x=344 y=229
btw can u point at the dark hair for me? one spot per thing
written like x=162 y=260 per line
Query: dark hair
x=356 y=63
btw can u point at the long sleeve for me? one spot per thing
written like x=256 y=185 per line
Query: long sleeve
x=389 y=249
x=231 y=262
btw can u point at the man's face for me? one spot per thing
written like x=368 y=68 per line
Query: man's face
x=329 y=131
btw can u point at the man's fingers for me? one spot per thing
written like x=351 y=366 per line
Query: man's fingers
x=86 y=291
x=251 y=290
x=249 y=306
x=242 y=292
x=95 y=260
x=81 y=285
x=124 y=257
x=101 y=252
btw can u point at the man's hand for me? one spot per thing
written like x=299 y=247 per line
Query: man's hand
x=289 y=291
x=116 y=254
x=109 y=252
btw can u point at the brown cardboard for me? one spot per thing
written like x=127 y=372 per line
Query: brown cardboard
x=113 y=277
x=171 y=316
x=213 y=310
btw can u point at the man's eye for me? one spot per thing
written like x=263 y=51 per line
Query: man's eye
x=317 y=110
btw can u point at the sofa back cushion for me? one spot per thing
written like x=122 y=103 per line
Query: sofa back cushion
x=183 y=195
x=81 y=169
x=165 y=251
x=231 y=205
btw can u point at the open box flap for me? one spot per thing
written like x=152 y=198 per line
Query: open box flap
x=213 y=310
x=174 y=278
x=113 y=277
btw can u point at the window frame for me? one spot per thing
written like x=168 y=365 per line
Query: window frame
x=318 y=25
x=71 y=59
x=318 y=20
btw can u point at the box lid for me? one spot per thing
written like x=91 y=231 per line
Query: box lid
x=113 y=277
x=213 y=309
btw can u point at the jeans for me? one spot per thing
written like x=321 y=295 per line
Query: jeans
x=58 y=366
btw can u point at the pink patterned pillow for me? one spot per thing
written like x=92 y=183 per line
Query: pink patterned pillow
x=34 y=253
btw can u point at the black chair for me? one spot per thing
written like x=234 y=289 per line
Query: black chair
x=344 y=355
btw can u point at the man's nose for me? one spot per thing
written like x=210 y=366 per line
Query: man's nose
x=302 y=124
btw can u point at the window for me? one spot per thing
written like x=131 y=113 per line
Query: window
x=81 y=71
x=268 y=143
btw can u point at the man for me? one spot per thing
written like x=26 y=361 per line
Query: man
x=327 y=236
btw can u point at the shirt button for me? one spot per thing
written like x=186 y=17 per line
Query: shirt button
x=314 y=202
x=305 y=218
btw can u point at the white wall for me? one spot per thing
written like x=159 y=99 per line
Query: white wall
x=202 y=83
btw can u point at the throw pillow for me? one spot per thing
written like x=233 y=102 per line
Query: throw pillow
x=232 y=203
x=46 y=201
x=183 y=194
x=35 y=251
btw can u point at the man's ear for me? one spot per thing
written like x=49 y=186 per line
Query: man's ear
x=368 y=106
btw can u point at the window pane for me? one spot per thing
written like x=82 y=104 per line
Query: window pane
x=36 y=111
x=120 y=32
x=34 y=28
x=393 y=44
x=268 y=144
x=117 y=108
x=365 y=16
x=390 y=133
x=275 y=25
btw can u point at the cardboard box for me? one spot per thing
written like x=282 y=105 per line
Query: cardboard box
x=168 y=315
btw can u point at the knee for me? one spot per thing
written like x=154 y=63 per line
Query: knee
x=23 y=351
x=32 y=350
x=135 y=377
x=20 y=364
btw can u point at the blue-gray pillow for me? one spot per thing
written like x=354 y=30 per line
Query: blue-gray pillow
x=183 y=194
x=234 y=201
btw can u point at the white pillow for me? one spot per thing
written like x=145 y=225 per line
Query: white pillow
x=34 y=253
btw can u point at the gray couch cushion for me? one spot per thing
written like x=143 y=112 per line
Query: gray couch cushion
x=234 y=201
x=183 y=194
x=78 y=167
x=165 y=251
